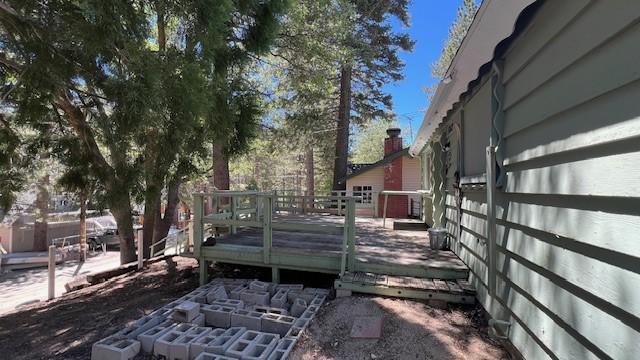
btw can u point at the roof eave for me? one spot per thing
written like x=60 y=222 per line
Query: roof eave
x=494 y=22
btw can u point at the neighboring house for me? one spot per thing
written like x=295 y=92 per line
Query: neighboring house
x=550 y=225
x=395 y=171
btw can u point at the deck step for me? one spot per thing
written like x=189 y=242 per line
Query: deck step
x=410 y=225
x=452 y=291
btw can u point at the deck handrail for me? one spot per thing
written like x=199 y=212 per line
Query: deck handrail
x=177 y=234
x=260 y=214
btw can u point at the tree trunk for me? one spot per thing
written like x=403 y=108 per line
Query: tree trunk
x=342 y=133
x=163 y=223
x=83 y=226
x=310 y=171
x=220 y=167
x=151 y=205
x=40 y=227
x=120 y=205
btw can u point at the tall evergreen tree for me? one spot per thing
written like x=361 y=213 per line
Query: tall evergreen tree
x=370 y=61
x=457 y=32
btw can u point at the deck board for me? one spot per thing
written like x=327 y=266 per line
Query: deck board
x=375 y=245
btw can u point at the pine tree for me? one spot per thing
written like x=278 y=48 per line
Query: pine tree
x=370 y=61
x=457 y=32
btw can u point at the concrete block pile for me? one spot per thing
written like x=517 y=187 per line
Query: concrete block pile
x=224 y=319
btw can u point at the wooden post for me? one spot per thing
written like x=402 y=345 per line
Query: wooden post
x=52 y=272
x=198 y=200
x=351 y=220
x=345 y=244
x=339 y=205
x=267 y=230
x=275 y=275
x=384 y=210
x=491 y=218
x=198 y=210
x=141 y=250
x=375 y=204
x=234 y=205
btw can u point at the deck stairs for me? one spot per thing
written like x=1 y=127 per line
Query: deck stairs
x=457 y=291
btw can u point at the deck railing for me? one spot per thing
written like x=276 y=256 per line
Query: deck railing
x=246 y=209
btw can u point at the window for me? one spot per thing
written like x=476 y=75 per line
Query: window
x=364 y=191
x=476 y=128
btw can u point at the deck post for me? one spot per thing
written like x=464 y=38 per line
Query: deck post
x=491 y=218
x=339 y=205
x=204 y=271
x=198 y=211
x=384 y=210
x=275 y=275
x=233 y=206
x=266 y=229
x=198 y=202
x=351 y=220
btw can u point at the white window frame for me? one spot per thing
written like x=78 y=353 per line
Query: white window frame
x=364 y=191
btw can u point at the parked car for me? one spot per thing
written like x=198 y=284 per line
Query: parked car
x=102 y=230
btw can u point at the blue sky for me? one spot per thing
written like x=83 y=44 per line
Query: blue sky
x=430 y=21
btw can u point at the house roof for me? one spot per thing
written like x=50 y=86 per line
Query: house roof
x=366 y=167
x=494 y=22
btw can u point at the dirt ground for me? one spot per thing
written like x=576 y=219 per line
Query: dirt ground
x=410 y=330
x=67 y=327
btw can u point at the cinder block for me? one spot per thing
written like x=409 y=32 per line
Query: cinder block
x=161 y=346
x=115 y=347
x=270 y=310
x=219 y=340
x=282 y=350
x=277 y=324
x=199 y=297
x=179 y=348
x=252 y=320
x=139 y=326
x=186 y=312
x=150 y=336
x=292 y=295
x=253 y=345
x=290 y=287
x=343 y=293
x=198 y=321
x=255 y=297
x=237 y=290
x=237 y=304
x=198 y=346
x=297 y=328
x=318 y=300
x=259 y=286
x=209 y=356
x=216 y=293
x=217 y=315
x=299 y=306
x=279 y=299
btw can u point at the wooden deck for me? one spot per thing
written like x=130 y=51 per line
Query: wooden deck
x=377 y=249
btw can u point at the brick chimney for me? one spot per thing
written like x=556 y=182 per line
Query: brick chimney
x=394 y=142
x=398 y=204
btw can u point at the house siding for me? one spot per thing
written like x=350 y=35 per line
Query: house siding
x=411 y=178
x=374 y=178
x=568 y=218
